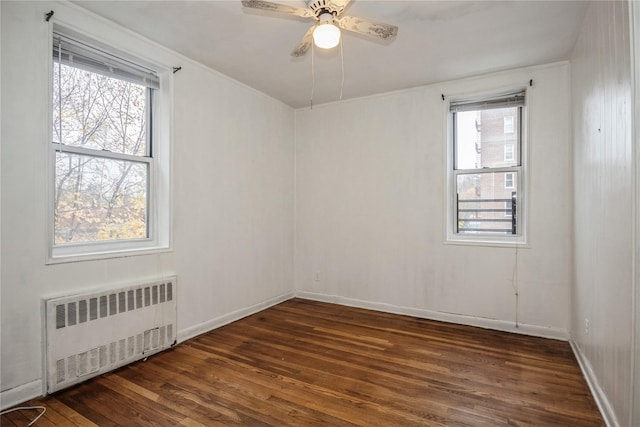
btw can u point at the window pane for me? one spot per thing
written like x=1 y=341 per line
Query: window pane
x=99 y=199
x=481 y=138
x=484 y=202
x=98 y=112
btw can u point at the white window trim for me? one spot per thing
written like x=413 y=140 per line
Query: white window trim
x=450 y=236
x=160 y=182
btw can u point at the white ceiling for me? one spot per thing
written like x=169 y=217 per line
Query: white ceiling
x=437 y=41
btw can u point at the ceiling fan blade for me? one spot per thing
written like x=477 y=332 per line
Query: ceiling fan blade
x=366 y=27
x=277 y=7
x=340 y=5
x=305 y=43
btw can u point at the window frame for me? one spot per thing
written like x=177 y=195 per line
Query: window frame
x=487 y=239
x=157 y=158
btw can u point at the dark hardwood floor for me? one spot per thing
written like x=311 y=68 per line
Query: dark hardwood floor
x=309 y=363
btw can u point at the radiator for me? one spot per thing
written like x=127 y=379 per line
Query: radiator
x=92 y=333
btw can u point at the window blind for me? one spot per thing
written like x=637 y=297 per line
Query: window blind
x=76 y=53
x=504 y=100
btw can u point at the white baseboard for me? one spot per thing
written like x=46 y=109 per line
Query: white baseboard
x=225 y=319
x=592 y=381
x=22 y=393
x=500 y=325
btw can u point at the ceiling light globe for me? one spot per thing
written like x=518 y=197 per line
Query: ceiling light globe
x=326 y=36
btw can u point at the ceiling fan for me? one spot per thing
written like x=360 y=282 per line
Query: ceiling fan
x=325 y=33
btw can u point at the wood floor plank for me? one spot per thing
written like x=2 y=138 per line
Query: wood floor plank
x=309 y=363
x=69 y=416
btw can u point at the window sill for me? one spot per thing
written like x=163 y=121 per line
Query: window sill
x=487 y=242
x=106 y=254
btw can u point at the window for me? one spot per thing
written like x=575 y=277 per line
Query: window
x=508 y=180
x=486 y=169
x=508 y=152
x=104 y=152
x=508 y=124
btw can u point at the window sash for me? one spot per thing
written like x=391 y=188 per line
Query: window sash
x=149 y=115
x=518 y=140
x=148 y=165
x=517 y=188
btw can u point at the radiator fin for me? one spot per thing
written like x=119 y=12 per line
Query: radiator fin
x=93 y=308
x=130 y=304
x=71 y=314
x=60 y=371
x=60 y=316
x=113 y=304
x=122 y=305
x=103 y=306
x=71 y=366
x=82 y=310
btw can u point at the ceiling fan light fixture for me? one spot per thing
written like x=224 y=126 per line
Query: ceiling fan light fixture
x=326 y=35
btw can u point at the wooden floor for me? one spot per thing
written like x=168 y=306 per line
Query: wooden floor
x=308 y=363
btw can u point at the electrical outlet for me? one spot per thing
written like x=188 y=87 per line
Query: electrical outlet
x=316 y=277
x=587 y=326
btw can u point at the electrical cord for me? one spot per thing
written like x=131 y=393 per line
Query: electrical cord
x=21 y=408
x=514 y=283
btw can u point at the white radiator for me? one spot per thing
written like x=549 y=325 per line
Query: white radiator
x=90 y=334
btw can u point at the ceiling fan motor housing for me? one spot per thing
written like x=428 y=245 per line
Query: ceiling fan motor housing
x=320 y=7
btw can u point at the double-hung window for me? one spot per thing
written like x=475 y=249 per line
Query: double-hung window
x=104 y=151
x=487 y=168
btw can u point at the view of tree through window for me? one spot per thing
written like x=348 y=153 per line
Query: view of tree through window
x=101 y=160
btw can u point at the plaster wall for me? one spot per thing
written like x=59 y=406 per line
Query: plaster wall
x=232 y=194
x=370 y=218
x=604 y=200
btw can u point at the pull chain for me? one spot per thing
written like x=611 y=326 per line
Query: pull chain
x=313 y=78
x=342 y=66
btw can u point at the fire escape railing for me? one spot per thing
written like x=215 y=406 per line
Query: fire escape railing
x=480 y=215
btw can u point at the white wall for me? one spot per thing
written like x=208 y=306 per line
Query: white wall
x=370 y=197
x=635 y=75
x=232 y=192
x=604 y=201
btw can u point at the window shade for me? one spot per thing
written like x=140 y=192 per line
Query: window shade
x=505 y=100
x=79 y=54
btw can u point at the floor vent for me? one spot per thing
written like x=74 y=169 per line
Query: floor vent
x=90 y=334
